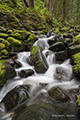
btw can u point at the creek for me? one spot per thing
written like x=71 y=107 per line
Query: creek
x=35 y=80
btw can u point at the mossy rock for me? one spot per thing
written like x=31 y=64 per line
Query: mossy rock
x=31 y=40
x=2 y=72
x=64 y=29
x=6 y=43
x=71 y=30
x=9 y=31
x=78 y=102
x=76 y=66
x=15 y=43
x=2 y=46
x=57 y=31
x=21 y=34
x=77 y=39
x=3 y=35
x=4 y=52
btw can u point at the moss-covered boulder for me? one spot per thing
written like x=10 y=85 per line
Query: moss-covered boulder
x=7 y=44
x=77 y=39
x=21 y=34
x=78 y=102
x=15 y=43
x=31 y=40
x=2 y=72
x=73 y=50
x=38 y=60
x=2 y=46
x=3 y=35
x=64 y=29
x=76 y=64
x=56 y=47
x=6 y=71
x=48 y=112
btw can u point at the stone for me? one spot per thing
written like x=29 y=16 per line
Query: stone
x=15 y=97
x=17 y=64
x=61 y=56
x=58 y=46
x=26 y=73
x=38 y=60
x=9 y=71
x=58 y=94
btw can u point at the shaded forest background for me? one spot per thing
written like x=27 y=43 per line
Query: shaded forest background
x=65 y=12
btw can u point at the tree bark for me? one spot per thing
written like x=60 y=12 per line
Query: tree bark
x=25 y=3
x=63 y=11
x=54 y=7
x=50 y=5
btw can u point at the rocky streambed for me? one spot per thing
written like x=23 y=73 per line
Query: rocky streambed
x=39 y=74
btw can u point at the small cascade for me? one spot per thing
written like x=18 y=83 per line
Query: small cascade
x=35 y=80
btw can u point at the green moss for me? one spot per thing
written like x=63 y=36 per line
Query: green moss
x=34 y=50
x=71 y=30
x=2 y=46
x=6 y=43
x=4 y=52
x=30 y=41
x=76 y=67
x=13 y=41
x=57 y=31
x=17 y=36
x=77 y=39
x=3 y=35
x=2 y=72
x=9 y=31
x=64 y=29
x=39 y=63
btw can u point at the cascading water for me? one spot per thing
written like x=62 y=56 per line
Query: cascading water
x=37 y=79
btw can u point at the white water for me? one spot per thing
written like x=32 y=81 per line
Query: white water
x=35 y=80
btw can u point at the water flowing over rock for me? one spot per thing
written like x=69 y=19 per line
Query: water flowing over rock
x=62 y=74
x=38 y=60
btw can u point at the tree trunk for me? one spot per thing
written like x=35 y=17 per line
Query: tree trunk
x=63 y=11
x=50 y=5
x=54 y=7
x=25 y=3
x=31 y=3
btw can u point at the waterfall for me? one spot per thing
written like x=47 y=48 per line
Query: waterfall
x=35 y=80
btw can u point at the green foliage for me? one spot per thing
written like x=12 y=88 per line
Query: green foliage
x=2 y=46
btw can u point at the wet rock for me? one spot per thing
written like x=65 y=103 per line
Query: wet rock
x=17 y=64
x=26 y=73
x=13 y=54
x=61 y=56
x=24 y=47
x=15 y=97
x=38 y=60
x=48 y=112
x=0 y=40
x=62 y=74
x=11 y=62
x=50 y=33
x=9 y=71
x=51 y=41
x=58 y=46
x=58 y=94
x=68 y=36
x=29 y=60
x=67 y=41
x=73 y=50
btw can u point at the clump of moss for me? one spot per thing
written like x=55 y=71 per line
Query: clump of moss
x=13 y=41
x=71 y=30
x=30 y=41
x=3 y=35
x=2 y=46
x=57 y=31
x=4 y=52
x=9 y=31
x=2 y=72
x=64 y=29
x=34 y=50
x=6 y=43
x=76 y=67
x=21 y=34
x=77 y=39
